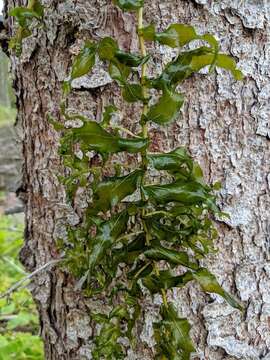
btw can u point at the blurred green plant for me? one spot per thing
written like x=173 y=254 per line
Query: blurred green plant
x=7 y=115
x=18 y=315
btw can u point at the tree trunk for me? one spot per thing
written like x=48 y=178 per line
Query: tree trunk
x=224 y=125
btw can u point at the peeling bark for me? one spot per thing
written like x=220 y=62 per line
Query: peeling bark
x=224 y=124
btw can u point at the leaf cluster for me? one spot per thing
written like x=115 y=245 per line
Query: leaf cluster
x=140 y=237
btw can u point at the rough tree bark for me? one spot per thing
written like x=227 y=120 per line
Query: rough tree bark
x=225 y=126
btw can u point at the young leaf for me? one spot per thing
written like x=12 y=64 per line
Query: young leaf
x=172 y=336
x=110 y=192
x=177 y=35
x=85 y=61
x=128 y=5
x=210 y=284
x=167 y=108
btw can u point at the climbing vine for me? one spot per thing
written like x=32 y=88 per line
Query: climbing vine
x=137 y=237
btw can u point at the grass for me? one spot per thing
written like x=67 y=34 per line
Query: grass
x=18 y=316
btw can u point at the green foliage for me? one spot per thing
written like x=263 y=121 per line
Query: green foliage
x=7 y=115
x=135 y=235
x=25 y=17
x=18 y=316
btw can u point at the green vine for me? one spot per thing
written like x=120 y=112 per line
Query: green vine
x=139 y=238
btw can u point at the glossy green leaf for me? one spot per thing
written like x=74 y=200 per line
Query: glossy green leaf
x=186 y=192
x=167 y=108
x=165 y=280
x=172 y=161
x=94 y=137
x=171 y=256
x=84 y=61
x=181 y=68
x=209 y=283
x=131 y=60
x=172 y=336
x=110 y=192
x=107 y=234
x=127 y=5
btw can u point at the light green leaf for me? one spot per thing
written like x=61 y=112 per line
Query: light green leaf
x=210 y=284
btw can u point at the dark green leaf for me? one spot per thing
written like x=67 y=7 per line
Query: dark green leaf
x=131 y=60
x=172 y=336
x=110 y=192
x=94 y=137
x=85 y=61
x=165 y=280
x=106 y=236
x=119 y=72
x=133 y=92
x=171 y=161
x=186 y=192
x=127 y=5
x=210 y=284
x=171 y=256
x=167 y=108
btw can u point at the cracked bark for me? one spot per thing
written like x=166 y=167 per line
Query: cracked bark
x=223 y=123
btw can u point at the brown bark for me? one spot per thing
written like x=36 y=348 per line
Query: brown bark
x=224 y=124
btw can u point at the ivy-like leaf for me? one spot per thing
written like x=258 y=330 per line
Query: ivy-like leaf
x=131 y=60
x=84 y=61
x=172 y=161
x=110 y=192
x=190 y=192
x=165 y=280
x=108 y=232
x=133 y=92
x=94 y=137
x=209 y=283
x=167 y=108
x=107 y=115
x=171 y=256
x=119 y=72
x=128 y=5
x=172 y=336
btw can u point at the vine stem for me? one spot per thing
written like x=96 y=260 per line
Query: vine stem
x=145 y=132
